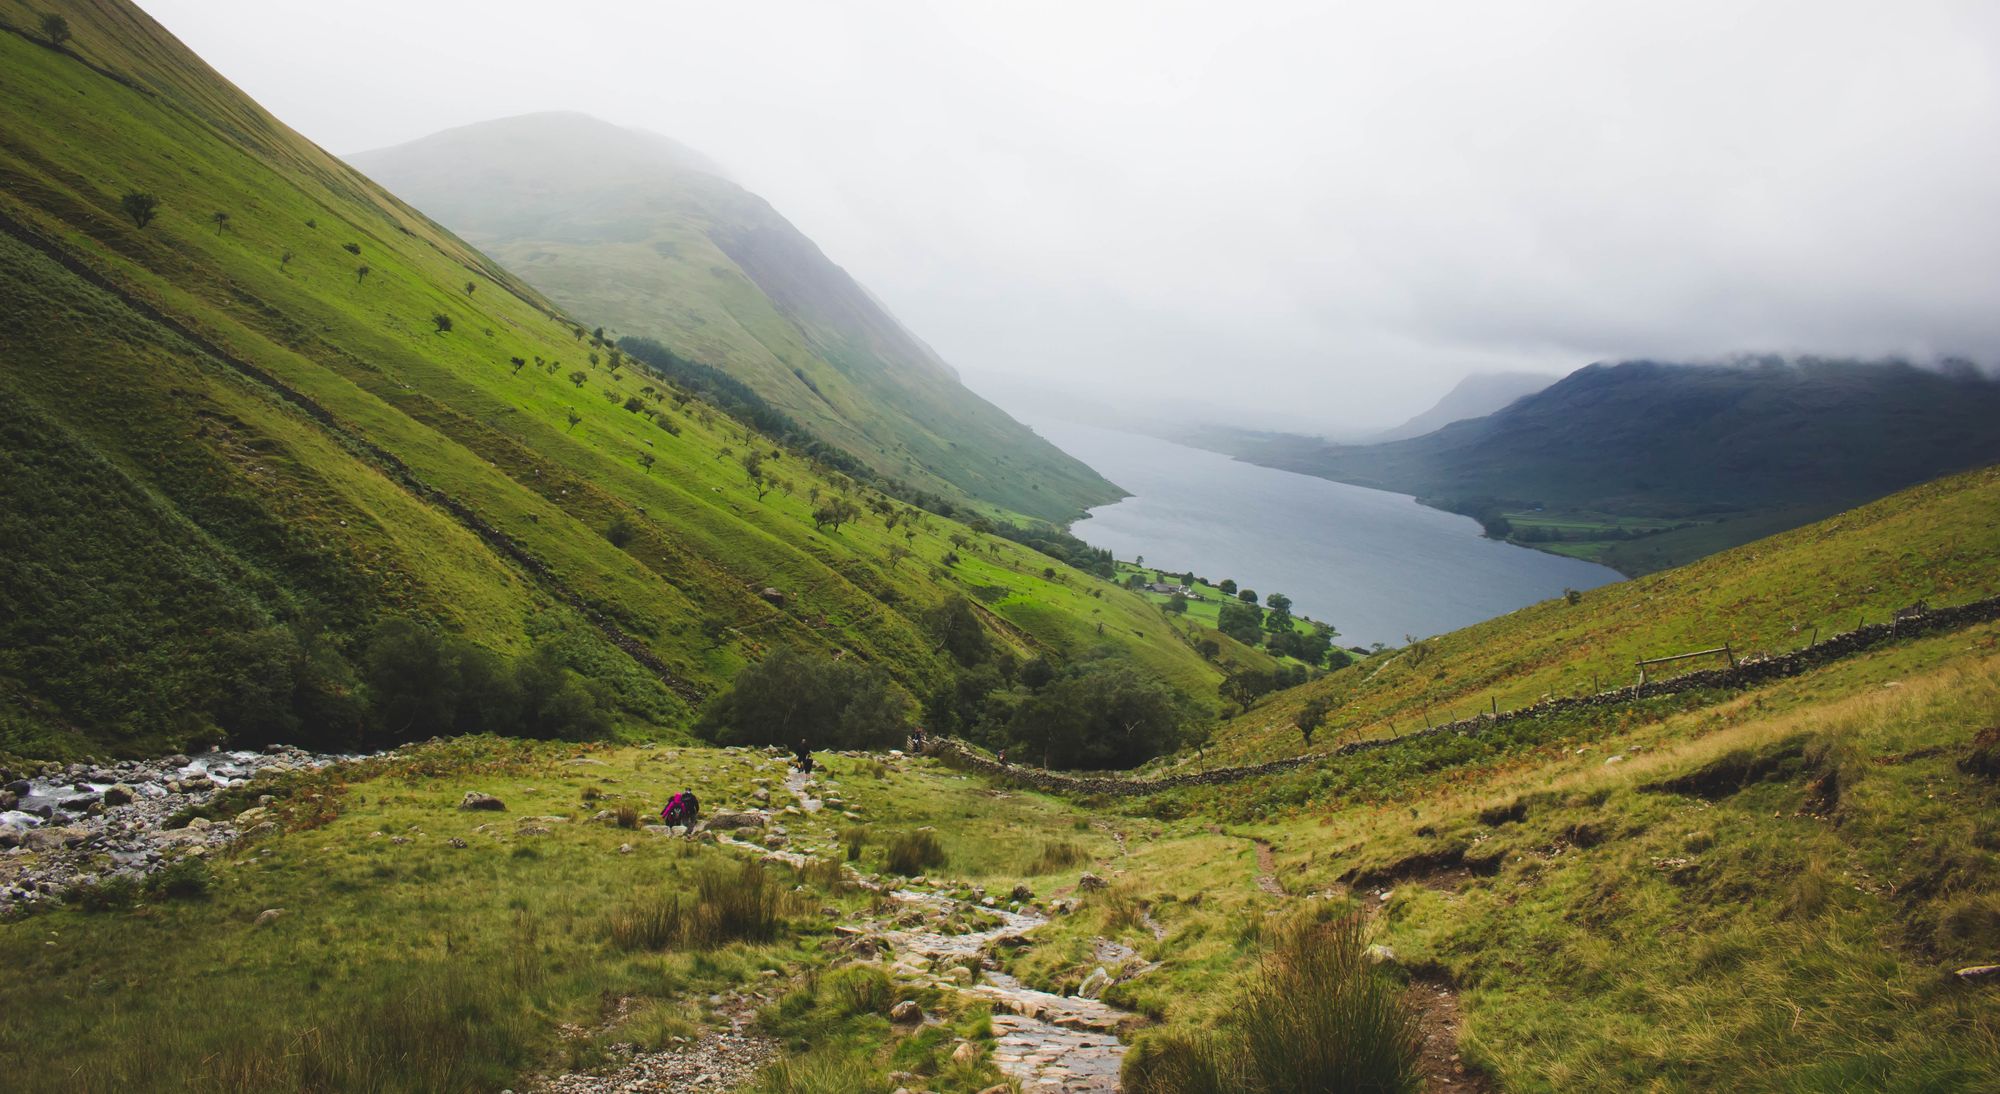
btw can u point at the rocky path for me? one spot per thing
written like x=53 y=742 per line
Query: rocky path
x=1267 y=873
x=721 y=1059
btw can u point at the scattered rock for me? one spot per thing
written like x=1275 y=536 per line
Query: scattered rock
x=1093 y=985
x=119 y=794
x=1091 y=883
x=474 y=800
x=906 y=1013
x=624 y=848
x=455 y=842
x=1379 y=954
x=965 y=1053
x=268 y=916
x=749 y=819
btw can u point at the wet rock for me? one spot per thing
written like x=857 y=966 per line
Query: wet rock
x=119 y=794
x=1021 y=894
x=53 y=839
x=474 y=800
x=906 y=1013
x=11 y=836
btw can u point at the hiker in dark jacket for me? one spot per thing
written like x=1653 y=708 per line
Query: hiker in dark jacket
x=682 y=809
x=805 y=758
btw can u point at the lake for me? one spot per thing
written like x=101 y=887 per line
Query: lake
x=1376 y=565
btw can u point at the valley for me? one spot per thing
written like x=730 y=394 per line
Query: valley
x=508 y=612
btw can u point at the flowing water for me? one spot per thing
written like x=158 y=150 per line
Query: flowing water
x=1376 y=565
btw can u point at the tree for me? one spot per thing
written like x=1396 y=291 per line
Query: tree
x=957 y=630
x=794 y=696
x=1228 y=585
x=442 y=322
x=1209 y=648
x=1311 y=716
x=1104 y=716
x=574 y=417
x=285 y=259
x=897 y=553
x=1176 y=605
x=352 y=248
x=1247 y=596
x=518 y=364
x=1245 y=686
x=578 y=377
x=55 y=29
x=1243 y=622
x=220 y=219
x=834 y=512
x=139 y=205
x=361 y=274
x=1280 y=619
x=470 y=288
x=646 y=461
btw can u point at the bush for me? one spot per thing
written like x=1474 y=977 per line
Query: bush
x=855 y=838
x=421 y=683
x=1056 y=855
x=1319 y=1017
x=627 y=817
x=913 y=853
x=740 y=905
x=1105 y=716
x=182 y=879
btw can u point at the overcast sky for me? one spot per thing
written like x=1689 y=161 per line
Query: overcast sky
x=1325 y=213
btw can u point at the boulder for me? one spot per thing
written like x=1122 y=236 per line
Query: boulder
x=1093 y=985
x=746 y=819
x=9 y=799
x=1021 y=894
x=53 y=839
x=965 y=1053
x=906 y=1013
x=1378 y=954
x=11 y=836
x=268 y=916
x=20 y=788
x=474 y=800
x=1091 y=883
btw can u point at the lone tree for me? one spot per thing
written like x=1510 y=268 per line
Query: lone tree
x=578 y=377
x=518 y=363
x=442 y=322
x=351 y=248
x=138 y=204
x=220 y=219
x=646 y=461
x=574 y=417
x=285 y=259
x=1245 y=687
x=470 y=288
x=361 y=274
x=55 y=29
x=1311 y=716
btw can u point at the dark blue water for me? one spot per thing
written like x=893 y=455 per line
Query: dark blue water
x=1377 y=566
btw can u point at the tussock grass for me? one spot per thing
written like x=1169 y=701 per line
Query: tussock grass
x=1055 y=856
x=740 y=905
x=913 y=853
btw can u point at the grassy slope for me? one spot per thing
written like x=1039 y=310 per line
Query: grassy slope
x=716 y=274
x=1936 y=542
x=331 y=537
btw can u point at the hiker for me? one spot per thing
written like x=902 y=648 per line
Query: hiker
x=917 y=739
x=682 y=809
x=805 y=758
x=1003 y=757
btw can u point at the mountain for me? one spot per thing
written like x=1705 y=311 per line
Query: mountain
x=1473 y=397
x=257 y=407
x=1644 y=465
x=649 y=238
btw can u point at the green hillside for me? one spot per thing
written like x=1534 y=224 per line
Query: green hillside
x=288 y=407
x=649 y=239
x=1935 y=543
x=1643 y=465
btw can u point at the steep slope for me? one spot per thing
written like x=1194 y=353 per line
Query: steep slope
x=1688 y=458
x=1937 y=543
x=646 y=236
x=288 y=407
x=1476 y=396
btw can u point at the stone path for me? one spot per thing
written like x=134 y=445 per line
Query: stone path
x=721 y=1059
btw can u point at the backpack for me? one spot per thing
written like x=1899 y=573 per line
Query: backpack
x=672 y=809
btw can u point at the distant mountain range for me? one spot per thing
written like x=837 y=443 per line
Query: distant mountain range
x=1644 y=464
x=1476 y=396
x=653 y=240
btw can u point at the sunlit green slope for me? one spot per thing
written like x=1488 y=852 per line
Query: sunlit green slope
x=1938 y=542
x=237 y=437
x=650 y=239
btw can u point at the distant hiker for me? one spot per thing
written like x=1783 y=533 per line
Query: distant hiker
x=805 y=758
x=682 y=809
x=917 y=739
x=1003 y=757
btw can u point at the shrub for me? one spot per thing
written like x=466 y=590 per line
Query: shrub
x=55 y=30
x=855 y=838
x=859 y=990
x=795 y=695
x=1318 y=1016
x=1055 y=856
x=182 y=879
x=912 y=853
x=442 y=322
x=626 y=817
x=724 y=906
x=142 y=207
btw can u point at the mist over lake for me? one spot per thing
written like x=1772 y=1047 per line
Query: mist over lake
x=1376 y=565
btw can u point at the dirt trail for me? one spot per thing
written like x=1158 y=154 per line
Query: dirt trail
x=1436 y=1004
x=1267 y=874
